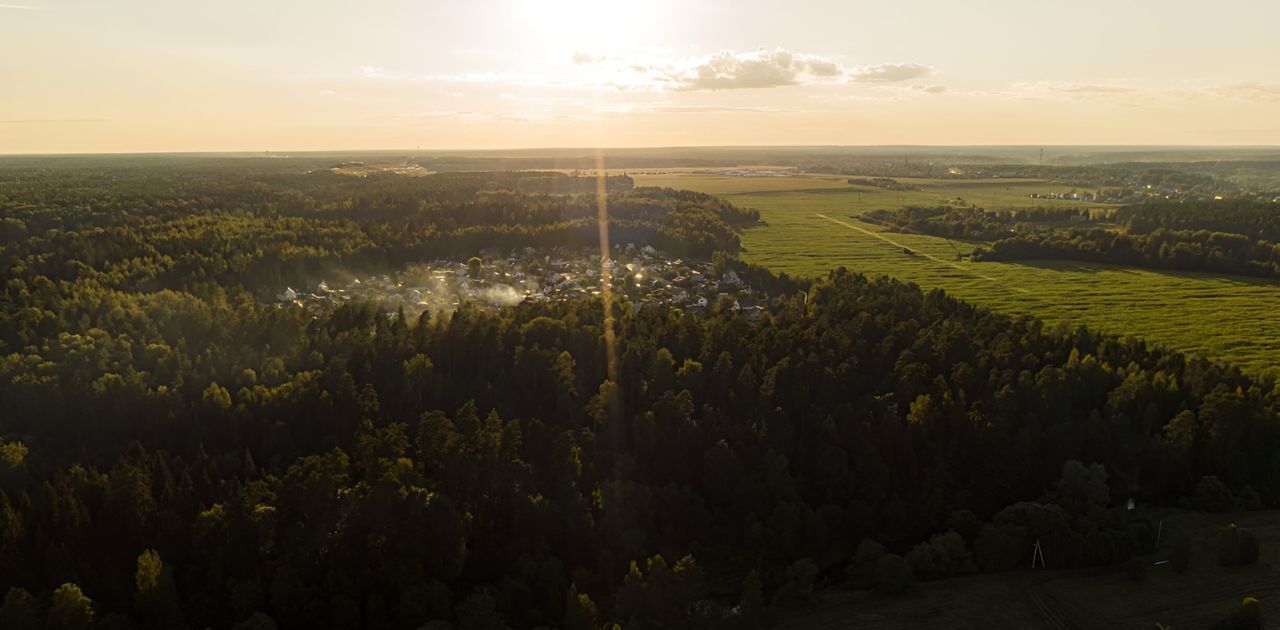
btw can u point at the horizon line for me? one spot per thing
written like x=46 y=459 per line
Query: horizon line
x=588 y=149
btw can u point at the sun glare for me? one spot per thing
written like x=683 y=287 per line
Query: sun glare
x=595 y=26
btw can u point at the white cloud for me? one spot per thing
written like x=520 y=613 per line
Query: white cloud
x=1253 y=91
x=48 y=121
x=1082 y=90
x=725 y=70
x=670 y=108
x=889 y=72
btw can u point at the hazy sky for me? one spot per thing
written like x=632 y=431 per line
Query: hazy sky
x=177 y=75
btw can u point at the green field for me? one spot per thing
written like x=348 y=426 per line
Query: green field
x=811 y=228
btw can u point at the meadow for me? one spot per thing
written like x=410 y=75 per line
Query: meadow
x=812 y=226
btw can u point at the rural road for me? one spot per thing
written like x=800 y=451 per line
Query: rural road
x=918 y=252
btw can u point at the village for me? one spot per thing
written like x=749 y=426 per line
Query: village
x=494 y=279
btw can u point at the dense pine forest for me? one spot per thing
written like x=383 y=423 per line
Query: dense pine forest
x=175 y=451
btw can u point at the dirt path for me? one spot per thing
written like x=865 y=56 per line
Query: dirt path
x=918 y=252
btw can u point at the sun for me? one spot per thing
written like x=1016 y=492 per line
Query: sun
x=592 y=26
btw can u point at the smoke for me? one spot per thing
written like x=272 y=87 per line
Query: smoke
x=437 y=288
x=499 y=295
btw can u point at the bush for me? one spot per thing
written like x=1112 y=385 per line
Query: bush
x=1237 y=546
x=1247 y=617
x=893 y=574
x=1247 y=549
x=965 y=523
x=862 y=572
x=991 y=548
x=869 y=551
x=20 y=610
x=944 y=555
x=797 y=590
x=1081 y=488
x=1142 y=538
x=1136 y=569
x=1180 y=560
x=1249 y=499
x=1212 y=495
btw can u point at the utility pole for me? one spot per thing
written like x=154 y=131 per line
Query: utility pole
x=1037 y=554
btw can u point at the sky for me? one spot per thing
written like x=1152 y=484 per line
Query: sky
x=281 y=75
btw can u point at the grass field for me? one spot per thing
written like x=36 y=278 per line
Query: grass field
x=1096 y=599
x=812 y=228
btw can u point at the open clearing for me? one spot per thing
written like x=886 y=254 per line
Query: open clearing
x=812 y=227
x=1100 y=599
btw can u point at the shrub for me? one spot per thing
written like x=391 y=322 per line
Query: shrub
x=965 y=523
x=1081 y=488
x=1249 y=499
x=1226 y=546
x=1142 y=538
x=862 y=572
x=1237 y=546
x=869 y=551
x=1212 y=495
x=944 y=555
x=797 y=590
x=1180 y=560
x=991 y=547
x=1136 y=569
x=893 y=574
x=1247 y=617
x=20 y=610
x=1247 y=549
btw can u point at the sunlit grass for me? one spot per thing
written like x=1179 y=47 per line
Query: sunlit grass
x=1230 y=318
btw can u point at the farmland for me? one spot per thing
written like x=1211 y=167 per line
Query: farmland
x=811 y=227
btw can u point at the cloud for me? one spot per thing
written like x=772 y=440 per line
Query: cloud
x=29 y=7
x=46 y=121
x=889 y=72
x=727 y=70
x=1253 y=91
x=1083 y=89
x=1131 y=95
x=668 y=108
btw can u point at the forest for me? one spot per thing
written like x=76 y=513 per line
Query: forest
x=1253 y=219
x=1181 y=250
x=1231 y=237
x=176 y=453
x=947 y=222
x=176 y=227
